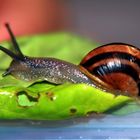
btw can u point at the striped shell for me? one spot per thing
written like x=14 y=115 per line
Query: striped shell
x=117 y=65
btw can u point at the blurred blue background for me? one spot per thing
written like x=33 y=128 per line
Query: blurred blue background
x=105 y=127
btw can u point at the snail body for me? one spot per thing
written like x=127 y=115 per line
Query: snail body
x=50 y=69
x=113 y=67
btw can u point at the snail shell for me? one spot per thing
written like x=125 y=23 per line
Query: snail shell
x=117 y=65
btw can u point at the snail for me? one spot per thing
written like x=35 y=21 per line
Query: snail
x=112 y=67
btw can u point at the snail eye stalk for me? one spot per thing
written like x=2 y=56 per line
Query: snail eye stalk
x=10 y=53
x=13 y=39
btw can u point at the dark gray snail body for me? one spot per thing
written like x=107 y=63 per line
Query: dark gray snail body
x=49 y=69
x=114 y=67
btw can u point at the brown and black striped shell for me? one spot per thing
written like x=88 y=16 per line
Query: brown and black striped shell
x=117 y=65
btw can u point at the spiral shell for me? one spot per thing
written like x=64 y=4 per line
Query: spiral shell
x=117 y=65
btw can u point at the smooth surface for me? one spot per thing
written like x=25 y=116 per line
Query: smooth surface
x=105 y=127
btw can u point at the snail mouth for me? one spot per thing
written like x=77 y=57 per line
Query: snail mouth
x=6 y=73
